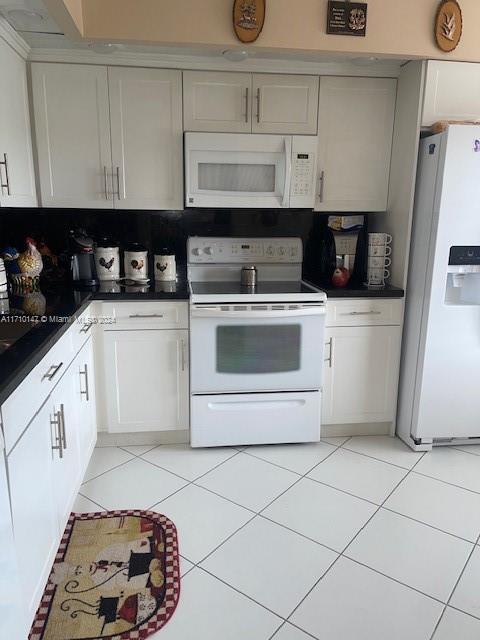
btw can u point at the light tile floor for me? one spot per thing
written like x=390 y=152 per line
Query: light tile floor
x=351 y=538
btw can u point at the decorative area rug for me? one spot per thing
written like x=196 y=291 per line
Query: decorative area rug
x=116 y=575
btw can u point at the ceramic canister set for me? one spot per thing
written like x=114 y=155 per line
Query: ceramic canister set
x=135 y=262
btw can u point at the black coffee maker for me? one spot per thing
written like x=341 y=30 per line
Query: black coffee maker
x=82 y=260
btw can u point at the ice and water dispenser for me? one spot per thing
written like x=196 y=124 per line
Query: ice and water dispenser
x=463 y=276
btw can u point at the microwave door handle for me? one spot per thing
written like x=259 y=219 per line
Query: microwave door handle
x=288 y=171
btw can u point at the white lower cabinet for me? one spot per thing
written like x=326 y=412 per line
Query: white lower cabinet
x=34 y=513
x=362 y=360
x=85 y=401
x=145 y=380
x=47 y=458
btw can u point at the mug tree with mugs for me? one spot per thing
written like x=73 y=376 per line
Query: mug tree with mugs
x=379 y=250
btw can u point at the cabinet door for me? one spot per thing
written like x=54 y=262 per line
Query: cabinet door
x=145 y=380
x=146 y=126
x=34 y=515
x=452 y=91
x=73 y=135
x=284 y=104
x=215 y=101
x=84 y=402
x=16 y=162
x=66 y=467
x=360 y=374
x=355 y=128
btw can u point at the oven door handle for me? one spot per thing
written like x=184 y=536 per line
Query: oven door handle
x=257 y=315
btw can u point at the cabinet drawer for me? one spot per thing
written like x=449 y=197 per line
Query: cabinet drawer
x=21 y=406
x=362 y=312
x=145 y=315
x=82 y=327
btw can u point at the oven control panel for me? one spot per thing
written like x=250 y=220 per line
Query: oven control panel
x=241 y=250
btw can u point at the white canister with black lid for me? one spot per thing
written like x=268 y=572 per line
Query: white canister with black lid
x=107 y=259
x=136 y=261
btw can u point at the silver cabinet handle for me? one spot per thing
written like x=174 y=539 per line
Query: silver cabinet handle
x=55 y=422
x=184 y=357
x=87 y=327
x=362 y=313
x=86 y=392
x=330 y=354
x=117 y=172
x=146 y=315
x=258 y=105
x=105 y=182
x=52 y=372
x=321 y=182
x=62 y=426
x=7 y=183
x=246 y=104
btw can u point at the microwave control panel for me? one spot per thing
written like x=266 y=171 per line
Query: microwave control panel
x=302 y=174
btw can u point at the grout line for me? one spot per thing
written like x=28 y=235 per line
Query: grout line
x=286 y=622
x=450 y=484
x=469 y=452
x=354 y=538
x=87 y=498
x=366 y=455
x=277 y=615
x=139 y=455
x=108 y=470
x=453 y=591
x=432 y=526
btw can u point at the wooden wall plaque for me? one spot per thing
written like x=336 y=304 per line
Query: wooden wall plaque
x=347 y=18
x=248 y=19
x=448 y=25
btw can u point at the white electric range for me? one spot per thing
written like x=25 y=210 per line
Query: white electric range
x=256 y=354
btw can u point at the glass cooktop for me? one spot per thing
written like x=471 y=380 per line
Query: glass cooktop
x=265 y=287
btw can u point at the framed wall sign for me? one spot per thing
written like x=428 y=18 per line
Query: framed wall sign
x=448 y=25
x=248 y=19
x=347 y=18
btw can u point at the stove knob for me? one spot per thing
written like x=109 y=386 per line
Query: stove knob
x=208 y=251
x=196 y=251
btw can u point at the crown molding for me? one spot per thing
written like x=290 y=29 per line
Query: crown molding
x=213 y=63
x=11 y=37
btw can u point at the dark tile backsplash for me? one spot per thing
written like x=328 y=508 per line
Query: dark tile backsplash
x=156 y=229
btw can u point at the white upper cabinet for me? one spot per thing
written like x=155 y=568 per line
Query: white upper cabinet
x=216 y=101
x=284 y=104
x=355 y=117
x=73 y=135
x=17 y=178
x=244 y=102
x=146 y=126
x=452 y=92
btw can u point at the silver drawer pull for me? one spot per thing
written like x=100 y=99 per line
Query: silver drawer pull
x=183 y=352
x=62 y=426
x=246 y=104
x=362 y=313
x=330 y=354
x=87 y=327
x=7 y=183
x=55 y=422
x=86 y=392
x=52 y=372
x=146 y=315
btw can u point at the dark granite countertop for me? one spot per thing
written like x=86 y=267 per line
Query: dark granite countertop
x=362 y=291
x=37 y=320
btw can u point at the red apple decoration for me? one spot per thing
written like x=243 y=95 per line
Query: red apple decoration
x=340 y=277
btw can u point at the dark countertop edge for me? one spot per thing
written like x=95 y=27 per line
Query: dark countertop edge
x=13 y=379
x=359 y=292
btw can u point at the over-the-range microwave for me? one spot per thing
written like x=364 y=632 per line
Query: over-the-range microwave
x=250 y=170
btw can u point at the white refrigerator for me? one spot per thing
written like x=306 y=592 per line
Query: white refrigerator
x=439 y=395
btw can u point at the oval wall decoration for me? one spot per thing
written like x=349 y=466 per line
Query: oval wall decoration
x=248 y=19
x=448 y=25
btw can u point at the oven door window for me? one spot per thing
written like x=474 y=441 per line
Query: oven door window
x=258 y=348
